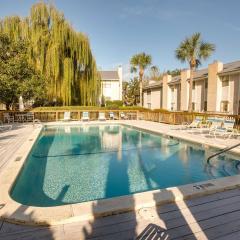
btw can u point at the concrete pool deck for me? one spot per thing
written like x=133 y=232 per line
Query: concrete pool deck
x=12 y=211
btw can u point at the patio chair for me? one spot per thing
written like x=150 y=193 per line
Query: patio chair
x=226 y=130
x=85 y=116
x=101 y=116
x=112 y=116
x=4 y=127
x=214 y=123
x=196 y=123
x=8 y=118
x=123 y=116
x=66 y=116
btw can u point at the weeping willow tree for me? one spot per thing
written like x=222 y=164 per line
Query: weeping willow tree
x=63 y=55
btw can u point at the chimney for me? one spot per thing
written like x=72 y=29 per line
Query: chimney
x=185 y=75
x=166 y=92
x=214 y=86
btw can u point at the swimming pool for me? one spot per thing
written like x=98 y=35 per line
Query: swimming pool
x=72 y=164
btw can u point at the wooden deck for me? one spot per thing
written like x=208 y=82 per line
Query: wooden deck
x=11 y=140
x=216 y=216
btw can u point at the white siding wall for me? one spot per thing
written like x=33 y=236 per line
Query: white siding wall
x=174 y=90
x=155 y=98
x=234 y=93
x=225 y=93
x=145 y=99
x=199 y=98
x=111 y=90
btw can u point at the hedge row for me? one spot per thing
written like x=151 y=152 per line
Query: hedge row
x=80 y=108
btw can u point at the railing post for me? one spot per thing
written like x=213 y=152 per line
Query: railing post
x=56 y=116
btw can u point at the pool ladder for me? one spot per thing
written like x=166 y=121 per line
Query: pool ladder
x=222 y=151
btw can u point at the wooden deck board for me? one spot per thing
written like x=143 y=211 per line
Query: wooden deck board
x=212 y=216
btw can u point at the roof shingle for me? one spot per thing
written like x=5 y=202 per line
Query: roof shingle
x=230 y=67
x=109 y=75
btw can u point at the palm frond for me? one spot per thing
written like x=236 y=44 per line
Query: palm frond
x=206 y=49
x=193 y=50
x=141 y=60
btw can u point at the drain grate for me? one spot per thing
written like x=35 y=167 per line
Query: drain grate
x=204 y=186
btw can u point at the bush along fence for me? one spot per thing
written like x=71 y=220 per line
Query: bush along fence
x=135 y=114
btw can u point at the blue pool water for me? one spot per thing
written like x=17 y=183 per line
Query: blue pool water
x=70 y=164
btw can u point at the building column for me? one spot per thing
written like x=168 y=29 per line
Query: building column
x=166 y=92
x=185 y=75
x=214 y=86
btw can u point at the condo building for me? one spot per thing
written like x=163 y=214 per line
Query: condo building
x=111 y=84
x=215 y=89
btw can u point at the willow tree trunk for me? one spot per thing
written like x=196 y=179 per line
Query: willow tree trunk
x=190 y=90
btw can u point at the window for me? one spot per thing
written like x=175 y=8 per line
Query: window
x=224 y=106
x=149 y=97
x=206 y=83
x=149 y=105
x=193 y=85
x=172 y=95
x=225 y=81
x=107 y=85
x=205 y=106
x=193 y=106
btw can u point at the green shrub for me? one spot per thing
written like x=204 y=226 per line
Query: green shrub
x=87 y=108
x=114 y=103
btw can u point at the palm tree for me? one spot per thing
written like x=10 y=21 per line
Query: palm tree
x=155 y=73
x=193 y=50
x=140 y=62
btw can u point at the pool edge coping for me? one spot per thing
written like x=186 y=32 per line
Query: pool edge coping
x=15 y=212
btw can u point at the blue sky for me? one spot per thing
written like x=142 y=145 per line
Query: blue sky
x=120 y=28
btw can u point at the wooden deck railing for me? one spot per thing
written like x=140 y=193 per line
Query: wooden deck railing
x=181 y=117
x=50 y=116
x=156 y=116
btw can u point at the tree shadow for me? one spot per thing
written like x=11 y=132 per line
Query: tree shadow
x=16 y=231
x=34 y=171
x=114 y=225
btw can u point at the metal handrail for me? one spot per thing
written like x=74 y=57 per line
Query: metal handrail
x=222 y=151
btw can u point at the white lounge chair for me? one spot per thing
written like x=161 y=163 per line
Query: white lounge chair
x=112 y=116
x=101 y=116
x=4 y=127
x=85 y=116
x=123 y=116
x=196 y=123
x=67 y=116
x=226 y=130
x=215 y=123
